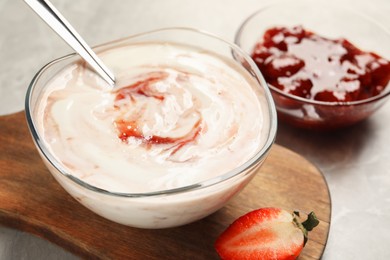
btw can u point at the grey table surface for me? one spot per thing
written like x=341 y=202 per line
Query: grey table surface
x=355 y=162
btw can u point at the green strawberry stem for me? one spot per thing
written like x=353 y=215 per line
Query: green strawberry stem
x=307 y=225
x=311 y=222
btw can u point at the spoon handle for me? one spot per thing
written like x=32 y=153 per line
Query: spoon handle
x=63 y=28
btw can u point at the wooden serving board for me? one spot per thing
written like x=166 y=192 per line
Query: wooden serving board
x=32 y=201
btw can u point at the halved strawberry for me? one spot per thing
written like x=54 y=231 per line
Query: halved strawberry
x=267 y=233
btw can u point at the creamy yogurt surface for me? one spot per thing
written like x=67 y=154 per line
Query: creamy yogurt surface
x=178 y=116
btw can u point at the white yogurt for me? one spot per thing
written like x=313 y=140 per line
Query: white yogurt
x=190 y=116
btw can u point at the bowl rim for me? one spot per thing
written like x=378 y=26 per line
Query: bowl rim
x=383 y=94
x=251 y=162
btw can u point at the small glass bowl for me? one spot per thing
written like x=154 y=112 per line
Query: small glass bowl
x=164 y=208
x=332 y=22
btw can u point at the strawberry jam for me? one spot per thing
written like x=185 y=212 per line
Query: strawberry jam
x=302 y=63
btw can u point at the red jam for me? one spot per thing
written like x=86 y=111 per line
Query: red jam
x=304 y=64
x=142 y=87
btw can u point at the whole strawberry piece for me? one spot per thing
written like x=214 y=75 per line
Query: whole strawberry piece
x=267 y=233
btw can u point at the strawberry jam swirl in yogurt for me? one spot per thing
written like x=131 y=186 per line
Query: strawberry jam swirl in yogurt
x=178 y=116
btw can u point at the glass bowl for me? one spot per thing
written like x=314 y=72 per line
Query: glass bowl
x=332 y=22
x=160 y=208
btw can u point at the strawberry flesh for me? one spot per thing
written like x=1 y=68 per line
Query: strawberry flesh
x=267 y=233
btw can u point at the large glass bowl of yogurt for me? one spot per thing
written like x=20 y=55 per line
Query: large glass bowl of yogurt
x=186 y=127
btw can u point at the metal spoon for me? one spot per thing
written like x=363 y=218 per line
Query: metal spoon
x=62 y=27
